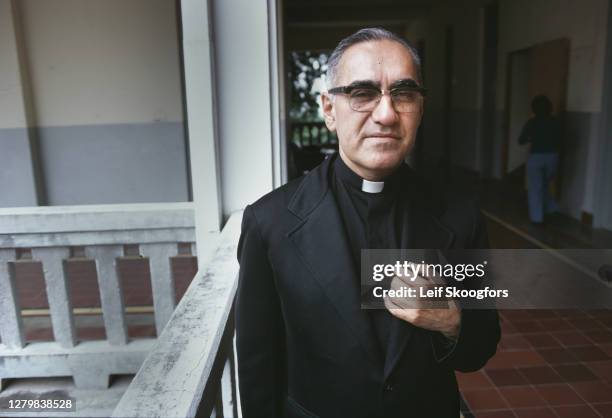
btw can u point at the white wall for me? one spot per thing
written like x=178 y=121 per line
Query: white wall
x=100 y=82
x=103 y=61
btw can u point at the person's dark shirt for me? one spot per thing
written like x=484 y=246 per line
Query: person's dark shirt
x=372 y=221
x=544 y=134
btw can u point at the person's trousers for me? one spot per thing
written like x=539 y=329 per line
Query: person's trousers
x=541 y=169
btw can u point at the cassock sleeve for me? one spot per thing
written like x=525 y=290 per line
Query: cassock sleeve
x=259 y=327
x=479 y=331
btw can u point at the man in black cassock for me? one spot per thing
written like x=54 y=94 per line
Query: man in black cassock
x=305 y=346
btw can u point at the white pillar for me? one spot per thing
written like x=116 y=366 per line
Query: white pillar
x=277 y=91
x=200 y=99
x=232 y=89
x=245 y=92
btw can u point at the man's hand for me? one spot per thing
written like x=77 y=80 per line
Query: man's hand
x=417 y=311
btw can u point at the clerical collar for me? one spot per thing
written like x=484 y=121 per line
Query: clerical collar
x=372 y=186
x=351 y=178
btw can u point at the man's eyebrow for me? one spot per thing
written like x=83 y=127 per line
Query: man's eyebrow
x=405 y=82
x=364 y=83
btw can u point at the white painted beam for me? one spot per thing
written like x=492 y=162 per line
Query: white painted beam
x=243 y=78
x=84 y=218
x=90 y=362
x=201 y=117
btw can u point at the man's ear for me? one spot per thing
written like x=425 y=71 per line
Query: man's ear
x=329 y=111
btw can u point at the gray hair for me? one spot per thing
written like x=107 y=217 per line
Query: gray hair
x=367 y=35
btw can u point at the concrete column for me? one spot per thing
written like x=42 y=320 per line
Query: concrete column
x=20 y=178
x=278 y=92
x=233 y=110
x=200 y=100
x=245 y=87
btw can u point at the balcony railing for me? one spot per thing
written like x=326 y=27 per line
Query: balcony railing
x=304 y=134
x=191 y=371
x=53 y=235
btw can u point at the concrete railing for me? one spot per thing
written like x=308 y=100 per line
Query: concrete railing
x=54 y=235
x=191 y=370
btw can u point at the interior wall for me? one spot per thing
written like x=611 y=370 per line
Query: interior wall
x=603 y=180
x=519 y=110
x=584 y=24
x=105 y=61
x=465 y=83
x=106 y=89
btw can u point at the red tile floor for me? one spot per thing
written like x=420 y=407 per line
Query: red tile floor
x=549 y=363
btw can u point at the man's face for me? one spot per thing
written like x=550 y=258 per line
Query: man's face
x=374 y=143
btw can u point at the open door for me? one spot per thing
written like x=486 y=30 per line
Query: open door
x=548 y=74
x=549 y=68
x=541 y=69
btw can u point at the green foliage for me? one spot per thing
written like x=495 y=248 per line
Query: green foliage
x=307 y=76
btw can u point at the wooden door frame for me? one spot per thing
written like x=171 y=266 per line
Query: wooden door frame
x=560 y=111
x=506 y=126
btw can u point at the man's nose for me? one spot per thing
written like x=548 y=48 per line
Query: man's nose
x=384 y=113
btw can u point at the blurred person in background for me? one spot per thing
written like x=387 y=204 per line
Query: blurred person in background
x=543 y=133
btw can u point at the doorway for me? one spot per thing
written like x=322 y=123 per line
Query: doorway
x=541 y=69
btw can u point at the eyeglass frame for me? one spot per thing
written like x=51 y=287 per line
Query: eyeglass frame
x=402 y=84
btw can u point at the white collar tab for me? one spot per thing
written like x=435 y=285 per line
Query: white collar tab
x=372 y=186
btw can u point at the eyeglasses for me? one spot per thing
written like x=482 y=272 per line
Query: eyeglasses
x=366 y=98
